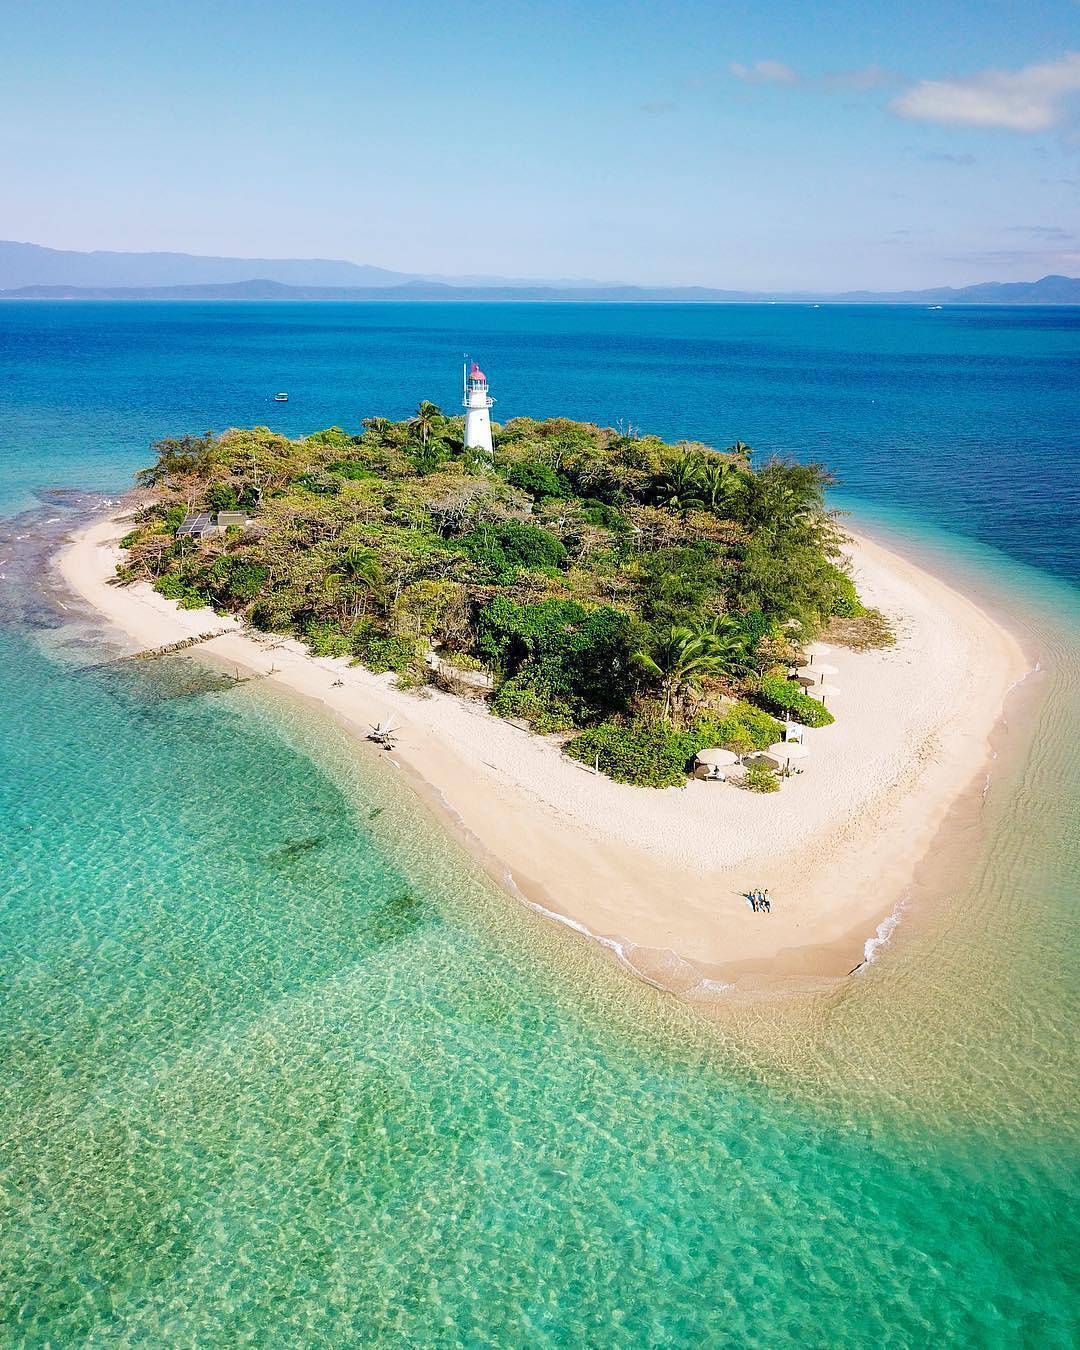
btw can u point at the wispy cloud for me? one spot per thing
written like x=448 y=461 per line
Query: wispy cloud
x=1034 y=98
x=764 y=72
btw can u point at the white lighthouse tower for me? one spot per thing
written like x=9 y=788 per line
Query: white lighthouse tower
x=477 y=417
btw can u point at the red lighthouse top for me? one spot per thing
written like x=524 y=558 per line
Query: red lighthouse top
x=477 y=375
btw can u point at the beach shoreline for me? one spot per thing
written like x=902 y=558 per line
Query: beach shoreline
x=657 y=877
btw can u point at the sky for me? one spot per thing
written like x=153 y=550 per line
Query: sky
x=764 y=145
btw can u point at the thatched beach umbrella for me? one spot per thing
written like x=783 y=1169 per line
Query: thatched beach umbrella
x=818 y=670
x=716 y=758
x=786 y=751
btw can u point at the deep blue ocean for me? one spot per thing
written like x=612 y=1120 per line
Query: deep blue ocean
x=280 y=1066
x=968 y=418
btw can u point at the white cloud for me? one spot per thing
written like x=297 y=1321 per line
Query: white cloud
x=764 y=72
x=1031 y=99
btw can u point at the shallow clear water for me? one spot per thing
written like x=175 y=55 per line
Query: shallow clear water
x=280 y=1064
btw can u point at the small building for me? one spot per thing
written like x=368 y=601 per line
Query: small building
x=204 y=525
x=198 y=525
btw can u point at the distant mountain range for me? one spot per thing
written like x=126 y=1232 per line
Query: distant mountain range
x=23 y=265
x=30 y=272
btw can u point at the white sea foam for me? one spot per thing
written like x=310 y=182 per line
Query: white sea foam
x=885 y=930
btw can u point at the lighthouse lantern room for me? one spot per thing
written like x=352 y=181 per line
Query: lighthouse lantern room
x=477 y=403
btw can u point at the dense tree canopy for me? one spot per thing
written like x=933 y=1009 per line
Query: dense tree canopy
x=603 y=578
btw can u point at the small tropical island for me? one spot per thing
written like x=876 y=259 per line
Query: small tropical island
x=605 y=659
x=643 y=601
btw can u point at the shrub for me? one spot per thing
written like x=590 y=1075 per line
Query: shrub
x=539 y=480
x=462 y=661
x=788 y=697
x=331 y=436
x=327 y=639
x=743 y=728
x=174 y=587
x=221 y=497
x=318 y=482
x=381 y=652
x=755 y=625
x=600 y=513
x=760 y=778
x=846 y=603
x=647 y=756
x=236 y=579
x=129 y=539
x=353 y=469
x=518 y=699
x=577 y=655
x=511 y=545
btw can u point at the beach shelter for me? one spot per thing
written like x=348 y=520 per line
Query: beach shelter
x=817 y=671
x=715 y=760
x=814 y=649
x=787 y=751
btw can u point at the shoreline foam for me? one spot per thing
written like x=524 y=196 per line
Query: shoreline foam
x=656 y=876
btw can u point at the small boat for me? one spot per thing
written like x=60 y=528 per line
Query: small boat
x=281 y=398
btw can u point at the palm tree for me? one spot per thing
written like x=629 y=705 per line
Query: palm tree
x=354 y=577
x=720 y=480
x=426 y=420
x=681 y=486
x=686 y=654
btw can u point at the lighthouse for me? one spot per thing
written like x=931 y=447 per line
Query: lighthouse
x=477 y=417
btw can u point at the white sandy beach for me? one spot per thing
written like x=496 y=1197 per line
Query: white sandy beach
x=661 y=874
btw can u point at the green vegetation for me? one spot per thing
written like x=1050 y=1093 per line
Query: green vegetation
x=659 y=754
x=785 y=696
x=636 y=594
x=760 y=778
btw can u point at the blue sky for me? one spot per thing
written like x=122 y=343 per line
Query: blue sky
x=748 y=145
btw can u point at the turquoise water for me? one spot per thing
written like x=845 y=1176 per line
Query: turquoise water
x=281 y=1066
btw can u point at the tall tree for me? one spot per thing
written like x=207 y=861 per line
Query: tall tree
x=354 y=577
x=685 y=655
x=427 y=419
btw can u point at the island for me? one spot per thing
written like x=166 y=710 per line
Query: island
x=610 y=661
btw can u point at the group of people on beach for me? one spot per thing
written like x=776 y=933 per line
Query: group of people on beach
x=759 y=901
